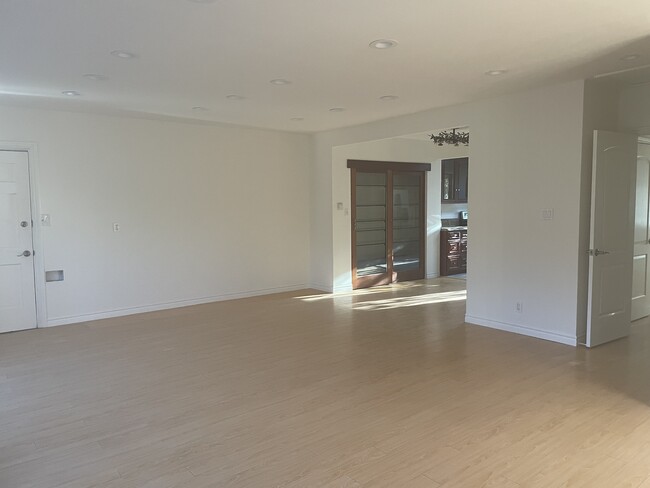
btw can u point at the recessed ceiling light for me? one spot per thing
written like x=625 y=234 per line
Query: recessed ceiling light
x=297 y=119
x=387 y=98
x=383 y=43
x=199 y=109
x=123 y=54
x=630 y=57
x=280 y=81
x=496 y=72
x=234 y=97
x=337 y=109
x=71 y=93
x=95 y=77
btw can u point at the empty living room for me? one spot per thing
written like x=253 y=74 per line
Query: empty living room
x=324 y=244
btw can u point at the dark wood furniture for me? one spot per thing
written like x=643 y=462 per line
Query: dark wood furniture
x=453 y=252
x=454 y=180
x=388 y=221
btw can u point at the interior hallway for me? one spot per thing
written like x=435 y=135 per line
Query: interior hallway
x=379 y=387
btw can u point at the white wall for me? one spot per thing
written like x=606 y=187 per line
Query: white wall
x=451 y=210
x=394 y=150
x=206 y=212
x=634 y=109
x=526 y=155
x=321 y=214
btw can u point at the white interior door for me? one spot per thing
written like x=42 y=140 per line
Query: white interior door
x=611 y=237
x=17 y=291
x=640 y=275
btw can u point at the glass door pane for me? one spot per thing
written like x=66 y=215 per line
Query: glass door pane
x=407 y=224
x=370 y=225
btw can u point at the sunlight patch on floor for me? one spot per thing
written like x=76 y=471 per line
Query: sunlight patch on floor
x=414 y=301
x=366 y=291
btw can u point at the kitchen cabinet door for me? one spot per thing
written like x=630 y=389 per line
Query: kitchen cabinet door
x=454 y=178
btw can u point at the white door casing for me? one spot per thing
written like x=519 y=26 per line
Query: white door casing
x=611 y=237
x=640 y=275
x=17 y=282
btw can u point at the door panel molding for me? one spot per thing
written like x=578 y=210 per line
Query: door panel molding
x=39 y=265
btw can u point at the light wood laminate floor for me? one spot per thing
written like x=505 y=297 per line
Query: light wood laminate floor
x=377 y=388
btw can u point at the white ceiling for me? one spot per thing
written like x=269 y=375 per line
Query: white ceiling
x=195 y=54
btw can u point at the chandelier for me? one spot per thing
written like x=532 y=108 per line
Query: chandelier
x=453 y=137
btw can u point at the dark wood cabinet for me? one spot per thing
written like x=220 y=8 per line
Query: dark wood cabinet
x=454 y=180
x=453 y=252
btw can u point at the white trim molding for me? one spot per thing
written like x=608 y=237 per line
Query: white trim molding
x=527 y=331
x=321 y=287
x=75 y=319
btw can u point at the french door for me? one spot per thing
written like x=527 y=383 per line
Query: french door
x=388 y=222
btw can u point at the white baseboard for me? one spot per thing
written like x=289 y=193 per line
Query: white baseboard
x=167 y=305
x=433 y=275
x=527 y=331
x=321 y=287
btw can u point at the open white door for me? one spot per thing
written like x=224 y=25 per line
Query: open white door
x=611 y=241
x=641 y=263
x=17 y=288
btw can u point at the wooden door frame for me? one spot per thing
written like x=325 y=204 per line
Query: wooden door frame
x=37 y=242
x=388 y=167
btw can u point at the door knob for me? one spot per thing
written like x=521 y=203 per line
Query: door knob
x=25 y=254
x=596 y=252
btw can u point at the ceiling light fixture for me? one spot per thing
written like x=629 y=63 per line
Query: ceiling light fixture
x=71 y=93
x=280 y=81
x=453 y=137
x=234 y=97
x=297 y=119
x=337 y=109
x=95 y=77
x=383 y=43
x=496 y=72
x=199 y=109
x=630 y=57
x=387 y=98
x=123 y=54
